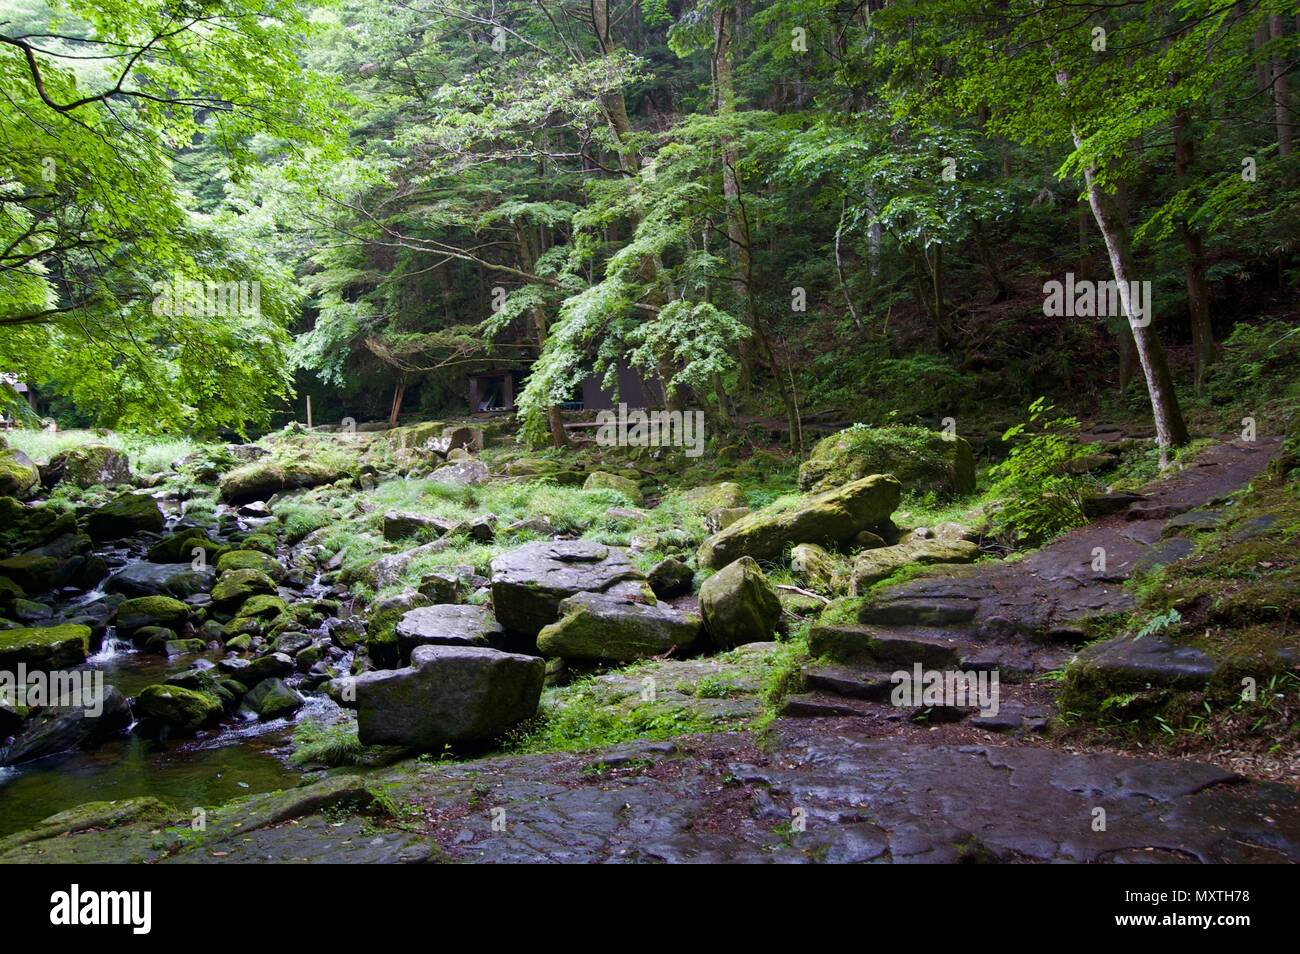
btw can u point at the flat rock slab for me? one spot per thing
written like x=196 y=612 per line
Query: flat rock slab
x=1126 y=661
x=446 y=624
x=616 y=627
x=529 y=583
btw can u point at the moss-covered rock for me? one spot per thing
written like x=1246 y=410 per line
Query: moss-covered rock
x=176 y=708
x=250 y=560
x=726 y=495
x=262 y=479
x=45 y=647
x=739 y=605
x=23 y=527
x=827 y=519
x=19 y=476
x=145 y=611
x=601 y=480
x=88 y=466
x=33 y=572
x=872 y=566
x=817 y=569
x=616 y=627
x=924 y=461
x=272 y=699
x=381 y=626
x=179 y=547
x=263 y=607
x=123 y=516
x=237 y=586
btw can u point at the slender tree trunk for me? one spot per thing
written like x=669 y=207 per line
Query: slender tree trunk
x=1198 y=295
x=1171 y=430
x=1281 y=92
x=527 y=261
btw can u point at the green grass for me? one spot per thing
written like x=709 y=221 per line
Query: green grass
x=147 y=454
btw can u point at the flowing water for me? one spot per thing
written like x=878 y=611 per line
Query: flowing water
x=237 y=758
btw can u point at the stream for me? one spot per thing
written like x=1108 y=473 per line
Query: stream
x=237 y=757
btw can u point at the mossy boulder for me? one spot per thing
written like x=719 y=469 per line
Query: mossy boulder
x=88 y=466
x=602 y=480
x=828 y=519
x=924 y=461
x=123 y=516
x=381 y=626
x=23 y=527
x=179 y=547
x=872 y=566
x=272 y=699
x=33 y=572
x=414 y=436
x=45 y=647
x=263 y=606
x=235 y=587
x=264 y=478
x=176 y=708
x=19 y=476
x=617 y=627
x=739 y=605
x=818 y=570
x=250 y=560
x=163 y=611
x=726 y=495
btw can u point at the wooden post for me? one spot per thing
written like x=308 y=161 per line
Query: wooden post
x=309 y=412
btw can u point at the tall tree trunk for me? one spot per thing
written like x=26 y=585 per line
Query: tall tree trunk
x=1281 y=91
x=1198 y=295
x=1171 y=430
x=527 y=261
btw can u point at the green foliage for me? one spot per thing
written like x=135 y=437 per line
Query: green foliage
x=1036 y=495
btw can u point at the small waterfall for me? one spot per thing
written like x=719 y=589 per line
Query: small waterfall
x=113 y=647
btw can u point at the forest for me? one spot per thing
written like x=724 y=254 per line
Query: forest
x=441 y=425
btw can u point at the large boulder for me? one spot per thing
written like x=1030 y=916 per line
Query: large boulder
x=145 y=611
x=448 y=696
x=88 y=466
x=19 y=476
x=739 y=605
x=446 y=625
x=399 y=525
x=169 y=708
x=828 y=519
x=234 y=587
x=727 y=495
x=123 y=516
x=35 y=573
x=264 y=478
x=464 y=437
x=530 y=582
x=250 y=560
x=468 y=473
x=178 y=580
x=44 y=647
x=815 y=568
x=872 y=566
x=924 y=461
x=602 y=480
x=617 y=627
x=179 y=547
x=272 y=699
x=67 y=724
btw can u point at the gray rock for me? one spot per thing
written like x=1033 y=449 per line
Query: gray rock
x=739 y=605
x=614 y=627
x=272 y=699
x=179 y=580
x=68 y=725
x=670 y=577
x=467 y=472
x=449 y=695
x=399 y=525
x=446 y=625
x=529 y=583
x=442 y=587
x=123 y=516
